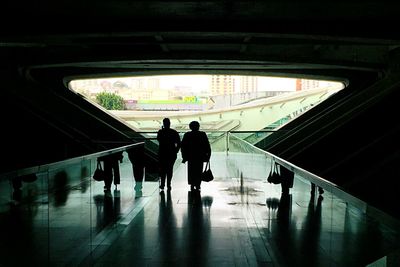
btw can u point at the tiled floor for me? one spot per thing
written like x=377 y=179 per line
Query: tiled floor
x=232 y=222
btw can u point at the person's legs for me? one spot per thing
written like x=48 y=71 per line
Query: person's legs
x=199 y=172
x=108 y=175
x=163 y=173
x=117 y=176
x=190 y=174
x=169 y=173
x=195 y=168
x=285 y=188
x=138 y=173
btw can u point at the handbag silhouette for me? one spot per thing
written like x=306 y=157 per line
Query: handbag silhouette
x=207 y=174
x=99 y=173
x=274 y=176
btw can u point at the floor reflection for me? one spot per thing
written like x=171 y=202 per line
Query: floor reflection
x=196 y=224
x=20 y=245
x=284 y=211
x=226 y=224
x=280 y=230
x=167 y=229
x=61 y=188
x=362 y=239
x=108 y=209
x=311 y=233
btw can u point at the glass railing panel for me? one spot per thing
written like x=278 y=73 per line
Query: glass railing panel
x=24 y=220
x=58 y=215
x=244 y=161
x=112 y=210
x=333 y=225
x=256 y=163
x=69 y=212
x=218 y=141
x=253 y=137
x=237 y=144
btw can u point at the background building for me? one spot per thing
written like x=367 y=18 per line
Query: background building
x=248 y=84
x=222 y=85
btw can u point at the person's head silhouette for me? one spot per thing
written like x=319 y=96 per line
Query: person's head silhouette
x=194 y=126
x=166 y=123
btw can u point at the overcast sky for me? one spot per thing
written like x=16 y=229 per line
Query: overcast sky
x=196 y=82
x=199 y=82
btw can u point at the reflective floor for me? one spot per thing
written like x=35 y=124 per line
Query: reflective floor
x=236 y=220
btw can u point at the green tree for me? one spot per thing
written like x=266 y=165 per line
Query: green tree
x=110 y=101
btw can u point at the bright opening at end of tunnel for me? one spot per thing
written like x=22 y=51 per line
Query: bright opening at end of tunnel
x=218 y=102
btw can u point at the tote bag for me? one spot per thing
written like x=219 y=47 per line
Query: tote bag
x=99 y=173
x=207 y=175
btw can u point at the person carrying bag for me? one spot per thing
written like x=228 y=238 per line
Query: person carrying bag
x=195 y=150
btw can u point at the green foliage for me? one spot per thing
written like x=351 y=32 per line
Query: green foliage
x=110 y=101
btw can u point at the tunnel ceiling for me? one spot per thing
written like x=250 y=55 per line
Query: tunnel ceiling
x=309 y=38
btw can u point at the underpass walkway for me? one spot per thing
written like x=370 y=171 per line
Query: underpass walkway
x=236 y=220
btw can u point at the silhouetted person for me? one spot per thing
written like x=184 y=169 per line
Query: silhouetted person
x=111 y=169
x=320 y=189
x=137 y=158
x=287 y=177
x=169 y=144
x=17 y=185
x=61 y=188
x=195 y=150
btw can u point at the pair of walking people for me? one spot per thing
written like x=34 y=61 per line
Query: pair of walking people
x=195 y=149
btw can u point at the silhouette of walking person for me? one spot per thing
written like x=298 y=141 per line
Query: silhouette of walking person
x=111 y=169
x=169 y=144
x=320 y=189
x=136 y=156
x=195 y=150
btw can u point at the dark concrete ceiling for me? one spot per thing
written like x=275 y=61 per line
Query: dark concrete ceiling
x=307 y=38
